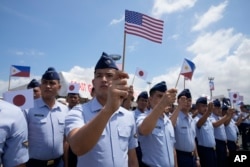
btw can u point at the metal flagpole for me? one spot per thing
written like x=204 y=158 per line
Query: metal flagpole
x=124 y=48
x=133 y=78
x=184 y=82
x=9 y=78
x=177 y=81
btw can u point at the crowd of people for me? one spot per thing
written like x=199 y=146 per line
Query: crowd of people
x=106 y=132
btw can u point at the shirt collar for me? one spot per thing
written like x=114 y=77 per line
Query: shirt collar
x=41 y=103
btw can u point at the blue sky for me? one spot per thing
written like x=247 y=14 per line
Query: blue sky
x=71 y=35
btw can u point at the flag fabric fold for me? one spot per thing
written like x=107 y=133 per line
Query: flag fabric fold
x=20 y=71
x=144 y=26
x=187 y=69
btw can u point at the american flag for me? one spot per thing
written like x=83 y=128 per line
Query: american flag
x=143 y=26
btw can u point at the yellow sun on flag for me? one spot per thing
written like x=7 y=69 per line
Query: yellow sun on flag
x=186 y=68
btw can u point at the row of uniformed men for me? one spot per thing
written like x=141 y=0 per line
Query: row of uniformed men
x=102 y=133
x=202 y=139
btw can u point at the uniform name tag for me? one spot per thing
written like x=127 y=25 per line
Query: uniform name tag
x=39 y=115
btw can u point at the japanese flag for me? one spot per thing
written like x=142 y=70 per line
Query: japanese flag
x=21 y=98
x=234 y=96
x=141 y=73
x=74 y=88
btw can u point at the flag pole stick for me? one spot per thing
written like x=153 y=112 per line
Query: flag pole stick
x=184 y=79
x=9 y=79
x=133 y=79
x=177 y=81
x=9 y=83
x=124 y=47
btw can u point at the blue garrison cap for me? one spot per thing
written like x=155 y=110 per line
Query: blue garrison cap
x=202 y=100
x=217 y=103
x=51 y=74
x=224 y=108
x=186 y=93
x=33 y=83
x=143 y=95
x=161 y=86
x=226 y=101
x=105 y=62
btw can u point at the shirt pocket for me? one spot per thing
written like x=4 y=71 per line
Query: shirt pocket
x=39 y=120
x=158 y=132
x=38 y=125
x=61 y=124
x=124 y=134
x=183 y=130
x=206 y=126
x=171 y=133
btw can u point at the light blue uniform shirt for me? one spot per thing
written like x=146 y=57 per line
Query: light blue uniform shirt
x=185 y=133
x=13 y=136
x=236 y=116
x=231 y=131
x=118 y=137
x=205 y=134
x=158 y=147
x=137 y=112
x=219 y=132
x=46 y=130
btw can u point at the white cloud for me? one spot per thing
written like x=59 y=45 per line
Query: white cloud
x=214 y=46
x=29 y=52
x=132 y=47
x=117 y=21
x=223 y=55
x=161 y=7
x=213 y=15
x=175 y=36
x=86 y=74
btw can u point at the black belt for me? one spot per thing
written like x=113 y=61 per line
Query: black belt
x=207 y=148
x=220 y=141
x=191 y=154
x=37 y=162
x=231 y=141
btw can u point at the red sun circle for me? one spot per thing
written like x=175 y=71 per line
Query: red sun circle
x=141 y=73
x=71 y=87
x=235 y=96
x=19 y=100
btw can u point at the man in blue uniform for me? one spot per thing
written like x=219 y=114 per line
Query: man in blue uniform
x=245 y=125
x=101 y=132
x=205 y=133
x=46 y=124
x=156 y=132
x=231 y=129
x=73 y=99
x=13 y=136
x=142 y=103
x=35 y=85
x=184 y=127
x=219 y=133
